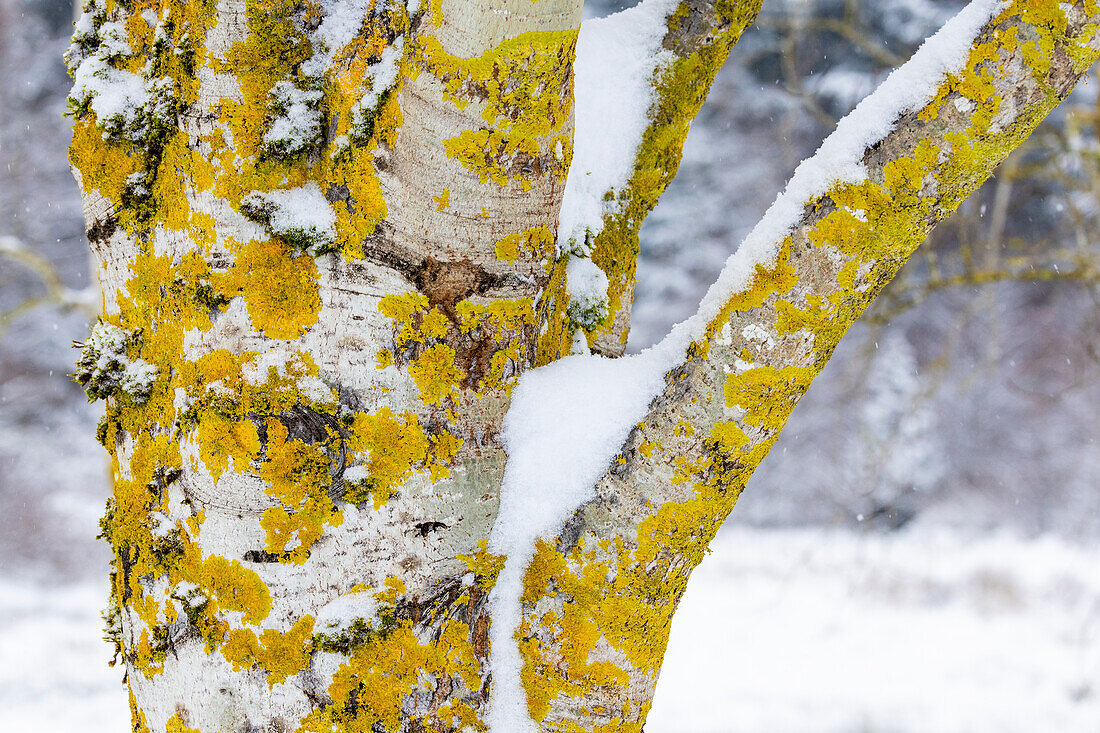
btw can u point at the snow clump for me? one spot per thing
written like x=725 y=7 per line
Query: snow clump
x=383 y=78
x=127 y=105
x=296 y=123
x=587 y=284
x=299 y=216
x=105 y=370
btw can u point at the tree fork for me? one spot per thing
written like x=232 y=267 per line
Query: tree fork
x=329 y=244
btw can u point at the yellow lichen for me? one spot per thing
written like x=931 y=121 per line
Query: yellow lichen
x=485 y=565
x=436 y=375
x=279 y=655
x=394 y=447
x=279 y=288
x=537 y=243
x=527 y=87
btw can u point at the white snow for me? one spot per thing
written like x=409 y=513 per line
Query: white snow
x=107 y=340
x=339 y=614
x=301 y=212
x=55 y=675
x=342 y=20
x=357 y=473
x=616 y=57
x=109 y=344
x=801 y=631
x=113 y=38
x=383 y=76
x=123 y=102
x=117 y=97
x=837 y=160
x=138 y=377
x=84 y=25
x=566 y=422
x=298 y=124
x=587 y=286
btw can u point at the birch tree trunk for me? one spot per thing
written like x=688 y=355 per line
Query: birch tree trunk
x=330 y=237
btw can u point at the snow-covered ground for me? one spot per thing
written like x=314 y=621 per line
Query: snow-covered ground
x=922 y=631
x=805 y=631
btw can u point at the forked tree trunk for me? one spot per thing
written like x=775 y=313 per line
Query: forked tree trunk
x=329 y=242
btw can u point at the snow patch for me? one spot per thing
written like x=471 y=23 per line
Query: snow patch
x=566 y=423
x=117 y=97
x=104 y=367
x=613 y=78
x=587 y=285
x=297 y=122
x=301 y=216
x=341 y=613
x=383 y=77
x=137 y=378
x=342 y=20
x=125 y=104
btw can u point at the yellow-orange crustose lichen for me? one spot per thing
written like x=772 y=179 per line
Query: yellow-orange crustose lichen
x=527 y=89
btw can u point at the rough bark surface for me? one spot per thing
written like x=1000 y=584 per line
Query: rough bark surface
x=325 y=235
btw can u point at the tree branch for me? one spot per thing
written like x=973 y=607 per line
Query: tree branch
x=624 y=160
x=849 y=219
x=799 y=289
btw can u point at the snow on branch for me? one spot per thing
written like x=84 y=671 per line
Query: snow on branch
x=840 y=158
x=849 y=218
x=617 y=57
x=641 y=77
x=701 y=409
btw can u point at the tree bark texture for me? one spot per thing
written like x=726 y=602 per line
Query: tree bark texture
x=326 y=235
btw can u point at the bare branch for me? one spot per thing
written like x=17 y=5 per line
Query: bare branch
x=57 y=293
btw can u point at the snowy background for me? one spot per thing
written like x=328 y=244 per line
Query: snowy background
x=921 y=551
